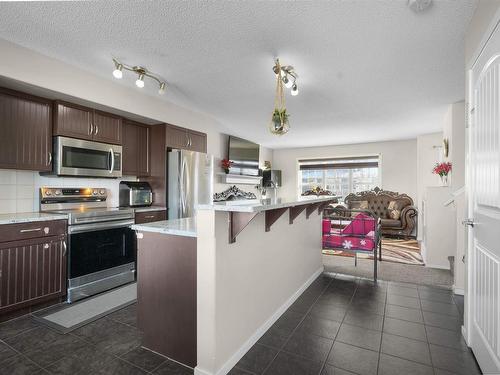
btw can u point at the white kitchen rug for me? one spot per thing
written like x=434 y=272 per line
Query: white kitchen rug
x=70 y=317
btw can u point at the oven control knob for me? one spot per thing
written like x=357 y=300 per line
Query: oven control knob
x=102 y=192
x=94 y=192
x=48 y=192
x=58 y=192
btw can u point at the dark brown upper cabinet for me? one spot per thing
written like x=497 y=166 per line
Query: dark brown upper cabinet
x=75 y=121
x=25 y=131
x=198 y=141
x=107 y=128
x=186 y=139
x=136 y=149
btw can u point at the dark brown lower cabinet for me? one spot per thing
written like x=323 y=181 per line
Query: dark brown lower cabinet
x=166 y=295
x=32 y=271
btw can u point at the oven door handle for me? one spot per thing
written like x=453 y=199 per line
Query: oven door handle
x=81 y=228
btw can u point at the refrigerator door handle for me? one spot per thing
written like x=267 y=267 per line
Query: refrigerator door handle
x=183 y=187
x=187 y=191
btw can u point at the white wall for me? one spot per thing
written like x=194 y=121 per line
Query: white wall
x=478 y=27
x=399 y=167
x=33 y=68
x=30 y=67
x=245 y=286
x=455 y=130
x=428 y=153
x=20 y=189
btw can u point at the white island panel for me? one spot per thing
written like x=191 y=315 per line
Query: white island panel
x=243 y=287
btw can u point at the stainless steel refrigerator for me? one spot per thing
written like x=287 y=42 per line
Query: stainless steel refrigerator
x=190 y=180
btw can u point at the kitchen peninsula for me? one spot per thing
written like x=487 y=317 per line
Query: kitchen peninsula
x=210 y=286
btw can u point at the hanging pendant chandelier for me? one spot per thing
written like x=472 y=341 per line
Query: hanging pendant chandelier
x=280 y=124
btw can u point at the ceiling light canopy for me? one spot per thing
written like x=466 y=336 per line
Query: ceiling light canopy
x=419 y=5
x=141 y=73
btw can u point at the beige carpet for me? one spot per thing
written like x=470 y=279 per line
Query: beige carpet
x=393 y=250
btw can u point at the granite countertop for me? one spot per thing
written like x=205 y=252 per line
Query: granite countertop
x=262 y=205
x=178 y=227
x=27 y=217
x=150 y=208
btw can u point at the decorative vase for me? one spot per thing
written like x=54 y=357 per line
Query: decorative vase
x=444 y=180
x=226 y=170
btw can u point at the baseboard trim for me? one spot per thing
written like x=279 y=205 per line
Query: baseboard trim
x=458 y=291
x=231 y=362
x=464 y=335
x=438 y=266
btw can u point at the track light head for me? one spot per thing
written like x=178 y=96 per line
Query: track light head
x=118 y=72
x=162 y=88
x=140 y=81
x=295 y=89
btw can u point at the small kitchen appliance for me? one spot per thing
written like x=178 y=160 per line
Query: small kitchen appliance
x=135 y=194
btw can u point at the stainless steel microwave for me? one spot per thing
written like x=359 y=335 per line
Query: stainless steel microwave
x=76 y=157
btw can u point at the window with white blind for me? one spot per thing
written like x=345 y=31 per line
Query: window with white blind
x=341 y=176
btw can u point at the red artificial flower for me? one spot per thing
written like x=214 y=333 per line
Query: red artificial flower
x=442 y=169
x=226 y=163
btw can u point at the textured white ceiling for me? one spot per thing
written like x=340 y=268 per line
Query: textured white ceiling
x=369 y=70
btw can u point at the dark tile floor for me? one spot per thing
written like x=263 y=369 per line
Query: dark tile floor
x=344 y=325
x=338 y=326
x=110 y=345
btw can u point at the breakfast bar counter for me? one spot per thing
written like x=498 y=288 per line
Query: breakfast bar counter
x=178 y=227
x=209 y=287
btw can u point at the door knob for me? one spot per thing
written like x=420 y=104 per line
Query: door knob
x=469 y=222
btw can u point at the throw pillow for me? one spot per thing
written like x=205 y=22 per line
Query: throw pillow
x=359 y=206
x=363 y=205
x=393 y=210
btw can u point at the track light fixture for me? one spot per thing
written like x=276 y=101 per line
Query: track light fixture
x=141 y=73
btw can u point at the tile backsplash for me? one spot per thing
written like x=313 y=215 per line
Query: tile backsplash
x=20 y=189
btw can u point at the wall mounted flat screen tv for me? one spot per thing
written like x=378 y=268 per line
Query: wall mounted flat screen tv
x=244 y=155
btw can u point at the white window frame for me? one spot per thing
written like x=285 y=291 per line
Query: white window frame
x=298 y=181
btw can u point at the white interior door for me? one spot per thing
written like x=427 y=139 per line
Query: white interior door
x=484 y=207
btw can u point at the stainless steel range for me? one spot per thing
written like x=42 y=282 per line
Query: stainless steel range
x=102 y=249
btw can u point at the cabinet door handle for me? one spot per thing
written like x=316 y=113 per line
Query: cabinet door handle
x=187 y=140
x=96 y=129
x=50 y=158
x=91 y=129
x=190 y=141
x=65 y=248
x=149 y=216
x=30 y=230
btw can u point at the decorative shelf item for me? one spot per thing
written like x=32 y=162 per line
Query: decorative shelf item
x=317 y=191
x=233 y=193
x=230 y=178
